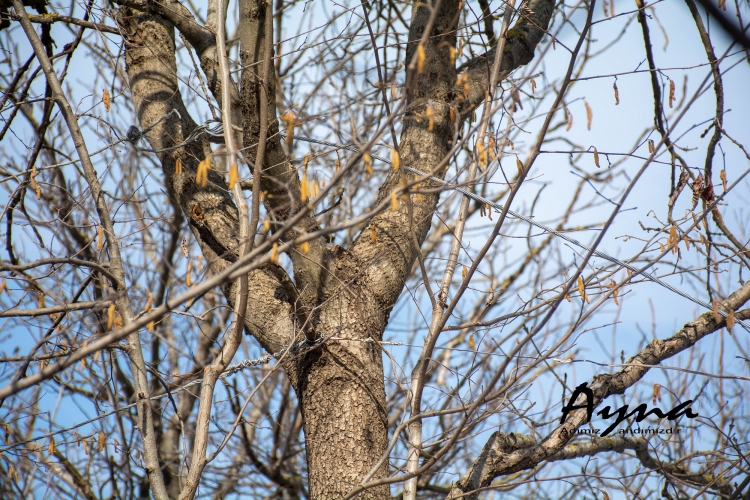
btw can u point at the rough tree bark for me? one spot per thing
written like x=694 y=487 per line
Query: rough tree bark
x=346 y=293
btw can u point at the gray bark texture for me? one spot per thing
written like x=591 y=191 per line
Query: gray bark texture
x=343 y=292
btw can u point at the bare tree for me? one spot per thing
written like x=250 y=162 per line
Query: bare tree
x=372 y=193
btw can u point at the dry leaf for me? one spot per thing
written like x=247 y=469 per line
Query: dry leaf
x=661 y=247
x=617 y=94
x=651 y=147
x=4 y=287
x=464 y=272
x=51 y=447
x=589 y=114
x=533 y=85
x=708 y=191
x=105 y=99
x=686 y=240
x=184 y=247
x=605 y=495
x=570 y=118
x=697 y=190
x=519 y=165
x=681 y=183
x=101 y=440
x=581 y=286
x=420 y=58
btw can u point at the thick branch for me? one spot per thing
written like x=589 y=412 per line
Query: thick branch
x=499 y=458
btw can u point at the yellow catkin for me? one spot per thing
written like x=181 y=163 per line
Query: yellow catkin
x=472 y=344
x=519 y=165
x=394 y=201
x=201 y=177
x=178 y=166
x=453 y=115
x=596 y=158
x=101 y=441
x=305 y=246
x=430 y=114
x=394 y=91
x=233 y=174
x=481 y=154
x=275 y=253
x=589 y=114
x=368 y=164
x=373 y=234
x=304 y=187
x=420 y=58
x=453 y=55
x=266 y=225
x=110 y=316
x=533 y=85
x=100 y=239
x=581 y=287
x=149 y=302
x=150 y=327
x=105 y=99
x=395 y=159
x=307 y=160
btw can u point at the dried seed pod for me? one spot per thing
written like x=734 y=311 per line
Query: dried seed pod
x=533 y=85
x=596 y=157
x=617 y=94
x=671 y=93
x=589 y=114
